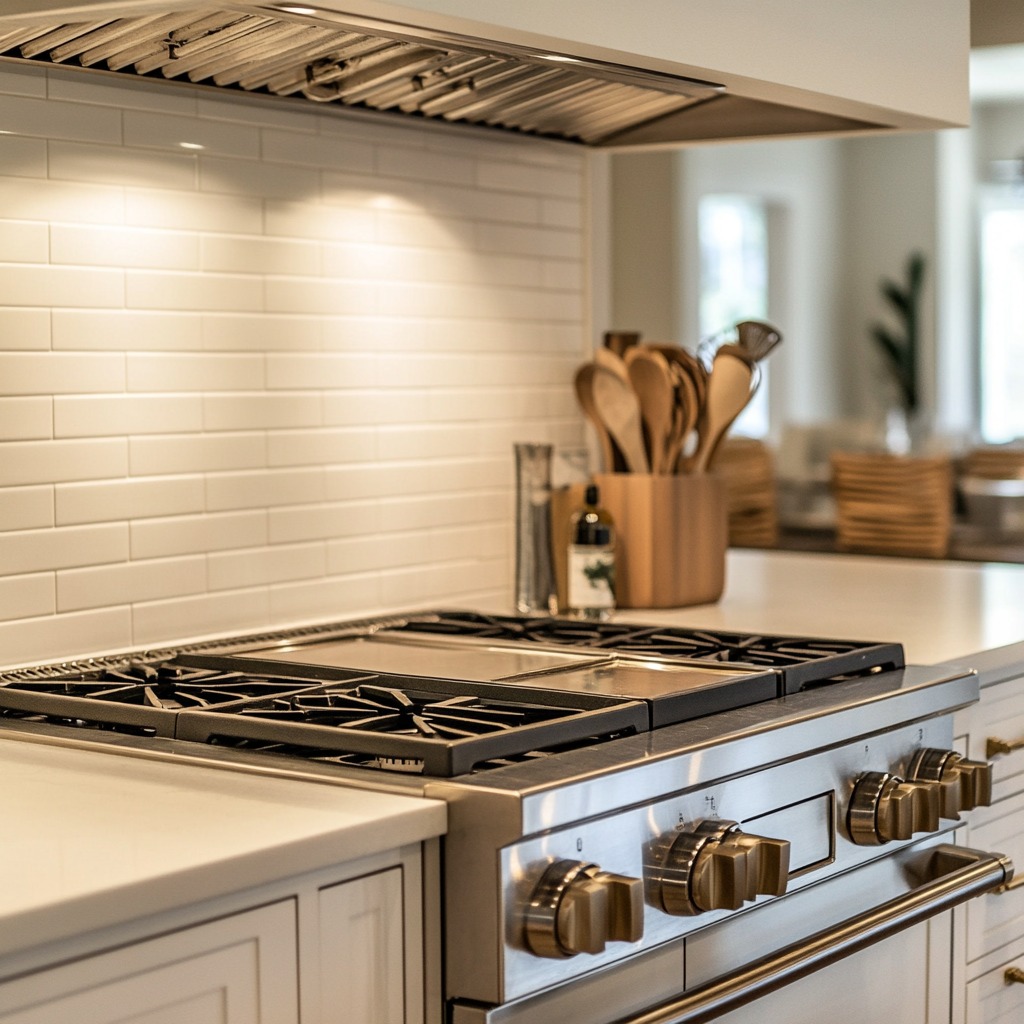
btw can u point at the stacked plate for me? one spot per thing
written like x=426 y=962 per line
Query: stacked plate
x=994 y=462
x=747 y=470
x=890 y=504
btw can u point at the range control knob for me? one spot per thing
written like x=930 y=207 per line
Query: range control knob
x=578 y=908
x=963 y=784
x=884 y=807
x=715 y=866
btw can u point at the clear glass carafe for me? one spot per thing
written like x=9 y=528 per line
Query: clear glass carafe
x=535 y=574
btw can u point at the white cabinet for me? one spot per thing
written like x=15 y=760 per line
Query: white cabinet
x=994 y=932
x=341 y=946
x=361 y=956
x=237 y=970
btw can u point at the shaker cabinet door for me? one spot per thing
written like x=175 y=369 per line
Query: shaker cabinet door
x=362 y=969
x=236 y=970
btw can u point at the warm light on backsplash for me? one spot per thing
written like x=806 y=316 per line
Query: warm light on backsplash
x=271 y=380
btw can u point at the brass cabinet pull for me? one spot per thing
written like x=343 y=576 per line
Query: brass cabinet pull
x=1014 y=883
x=1013 y=976
x=994 y=747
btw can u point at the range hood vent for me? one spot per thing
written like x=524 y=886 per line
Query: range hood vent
x=363 y=64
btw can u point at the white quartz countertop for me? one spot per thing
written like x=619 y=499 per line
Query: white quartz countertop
x=92 y=839
x=940 y=611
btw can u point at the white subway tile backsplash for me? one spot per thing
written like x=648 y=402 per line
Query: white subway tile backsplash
x=105 y=501
x=26 y=508
x=25 y=329
x=320 y=447
x=109 y=415
x=340 y=153
x=207 y=371
x=192 y=211
x=204 y=615
x=187 y=535
x=191 y=453
x=221 y=292
x=101 y=586
x=97 y=245
x=25 y=597
x=320 y=295
x=26 y=419
x=156 y=130
x=61 y=201
x=271 y=381
x=249 y=255
x=227 y=491
x=61 y=286
x=279 y=563
x=34 y=373
x=512 y=176
x=261 y=332
x=63 y=547
x=60 y=637
x=23 y=157
x=23 y=242
x=318 y=600
x=253 y=412
x=118 y=329
x=64 y=84
x=80 y=161
x=57 y=119
x=40 y=462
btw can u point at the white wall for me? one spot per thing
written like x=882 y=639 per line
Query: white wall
x=799 y=179
x=274 y=380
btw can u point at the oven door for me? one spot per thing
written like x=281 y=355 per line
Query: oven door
x=878 y=912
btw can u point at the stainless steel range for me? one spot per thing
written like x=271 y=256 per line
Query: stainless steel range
x=647 y=824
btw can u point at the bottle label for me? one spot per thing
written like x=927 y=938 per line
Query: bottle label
x=591 y=577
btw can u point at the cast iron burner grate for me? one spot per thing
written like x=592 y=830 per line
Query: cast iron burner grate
x=138 y=697
x=438 y=727
x=799 y=661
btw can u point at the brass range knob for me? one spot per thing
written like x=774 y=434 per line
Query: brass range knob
x=884 y=807
x=578 y=908
x=963 y=784
x=716 y=866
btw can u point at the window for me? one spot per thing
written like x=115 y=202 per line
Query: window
x=733 y=238
x=1001 y=369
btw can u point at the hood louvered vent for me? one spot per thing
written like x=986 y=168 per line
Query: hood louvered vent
x=333 y=62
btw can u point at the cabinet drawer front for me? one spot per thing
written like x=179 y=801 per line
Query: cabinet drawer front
x=995 y=919
x=990 y=1000
x=1000 y=716
x=235 y=970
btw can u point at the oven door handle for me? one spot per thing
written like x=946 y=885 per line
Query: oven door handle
x=958 y=875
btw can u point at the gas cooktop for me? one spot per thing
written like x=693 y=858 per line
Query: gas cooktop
x=439 y=694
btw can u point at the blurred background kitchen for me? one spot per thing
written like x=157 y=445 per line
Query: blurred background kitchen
x=807 y=233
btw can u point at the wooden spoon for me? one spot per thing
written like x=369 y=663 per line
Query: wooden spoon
x=617 y=405
x=651 y=378
x=585 y=396
x=731 y=382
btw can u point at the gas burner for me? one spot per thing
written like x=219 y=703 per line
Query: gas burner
x=799 y=661
x=165 y=686
x=398 y=723
x=138 y=697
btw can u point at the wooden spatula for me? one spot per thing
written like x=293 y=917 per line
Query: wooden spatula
x=651 y=378
x=731 y=382
x=619 y=409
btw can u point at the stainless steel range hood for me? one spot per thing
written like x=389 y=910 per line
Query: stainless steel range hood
x=421 y=70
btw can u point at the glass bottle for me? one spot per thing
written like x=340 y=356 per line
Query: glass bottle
x=591 y=559
x=535 y=572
